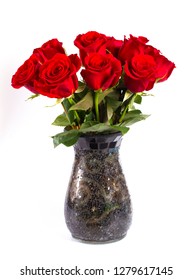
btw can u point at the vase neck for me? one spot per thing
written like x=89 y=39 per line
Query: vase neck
x=101 y=142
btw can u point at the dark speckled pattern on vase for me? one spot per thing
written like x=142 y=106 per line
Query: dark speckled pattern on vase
x=98 y=205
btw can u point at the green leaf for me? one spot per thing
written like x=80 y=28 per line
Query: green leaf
x=122 y=129
x=127 y=95
x=84 y=104
x=132 y=113
x=131 y=102
x=95 y=128
x=115 y=95
x=102 y=128
x=88 y=124
x=81 y=87
x=103 y=94
x=68 y=138
x=89 y=117
x=130 y=119
x=67 y=105
x=138 y=99
x=109 y=111
x=61 y=120
x=113 y=103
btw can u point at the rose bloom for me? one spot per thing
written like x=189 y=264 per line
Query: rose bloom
x=25 y=74
x=131 y=46
x=90 y=42
x=101 y=71
x=57 y=77
x=113 y=46
x=28 y=72
x=143 y=64
x=48 y=50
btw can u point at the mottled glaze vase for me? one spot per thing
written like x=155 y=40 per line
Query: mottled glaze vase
x=97 y=204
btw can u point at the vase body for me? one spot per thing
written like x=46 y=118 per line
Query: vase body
x=97 y=204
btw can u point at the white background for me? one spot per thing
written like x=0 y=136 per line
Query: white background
x=155 y=154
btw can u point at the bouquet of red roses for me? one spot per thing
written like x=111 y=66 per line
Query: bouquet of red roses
x=115 y=75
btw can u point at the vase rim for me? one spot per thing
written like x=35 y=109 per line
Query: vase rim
x=98 y=135
x=101 y=141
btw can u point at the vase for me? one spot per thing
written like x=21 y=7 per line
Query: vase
x=97 y=203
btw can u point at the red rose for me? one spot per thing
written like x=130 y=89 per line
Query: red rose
x=113 y=46
x=25 y=74
x=101 y=71
x=57 y=76
x=143 y=64
x=131 y=46
x=48 y=50
x=165 y=68
x=140 y=73
x=90 y=42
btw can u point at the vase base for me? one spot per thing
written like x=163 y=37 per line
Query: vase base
x=98 y=241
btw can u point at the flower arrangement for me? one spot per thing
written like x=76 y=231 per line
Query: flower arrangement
x=115 y=75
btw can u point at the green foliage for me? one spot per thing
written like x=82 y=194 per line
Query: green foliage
x=85 y=103
x=132 y=117
x=68 y=138
x=97 y=112
x=61 y=120
x=70 y=114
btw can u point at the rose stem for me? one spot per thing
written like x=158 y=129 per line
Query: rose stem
x=125 y=110
x=97 y=105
